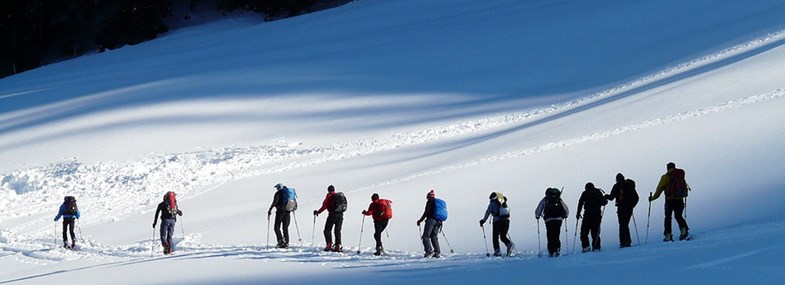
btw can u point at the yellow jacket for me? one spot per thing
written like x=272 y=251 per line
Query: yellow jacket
x=664 y=184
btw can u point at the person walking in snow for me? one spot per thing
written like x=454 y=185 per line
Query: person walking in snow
x=334 y=220
x=168 y=210
x=553 y=210
x=381 y=211
x=626 y=198
x=282 y=216
x=497 y=207
x=593 y=199
x=430 y=236
x=70 y=213
x=675 y=187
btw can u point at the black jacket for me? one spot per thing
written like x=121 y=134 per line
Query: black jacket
x=593 y=200
x=430 y=208
x=165 y=212
x=624 y=193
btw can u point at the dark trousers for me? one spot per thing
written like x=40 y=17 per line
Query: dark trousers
x=430 y=235
x=333 y=220
x=674 y=207
x=378 y=228
x=591 y=225
x=68 y=227
x=282 y=220
x=553 y=229
x=167 y=231
x=500 y=229
x=624 y=214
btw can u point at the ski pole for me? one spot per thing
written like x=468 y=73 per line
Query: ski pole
x=79 y=227
x=539 y=243
x=152 y=243
x=445 y=239
x=299 y=239
x=419 y=229
x=648 y=219
x=566 y=234
x=512 y=244
x=487 y=253
x=575 y=236
x=362 y=228
x=268 y=231
x=636 y=228
x=599 y=229
x=685 y=207
x=388 y=238
x=313 y=231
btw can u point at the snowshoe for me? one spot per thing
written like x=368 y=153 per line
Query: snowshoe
x=379 y=251
x=428 y=254
x=510 y=249
x=668 y=237
x=684 y=234
x=329 y=247
x=586 y=249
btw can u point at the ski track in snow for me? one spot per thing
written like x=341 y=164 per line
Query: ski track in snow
x=140 y=183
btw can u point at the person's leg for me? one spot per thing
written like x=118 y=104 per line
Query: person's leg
x=625 y=215
x=668 y=231
x=678 y=209
x=585 y=228
x=426 y=235
x=504 y=229
x=338 y=227
x=553 y=229
x=496 y=232
x=277 y=227
x=435 y=237
x=170 y=233
x=377 y=232
x=328 y=226
x=162 y=233
x=595 y=233
x=71 y=223
x=65 y=232
x=287 y=218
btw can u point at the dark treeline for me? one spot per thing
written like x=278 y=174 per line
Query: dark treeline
x=36 y=32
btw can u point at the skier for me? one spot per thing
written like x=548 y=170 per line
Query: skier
x=553 y=210
x=334 y=219
x=430 y=236
x=497 y=207
x=676 y=190
x=594 y=201
x=169 y=211
x=626 y=198
x=381 y=211
x=70 y=213
x=282 y=216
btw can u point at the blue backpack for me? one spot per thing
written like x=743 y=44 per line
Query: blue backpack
x=289 y=198
x=440 y=209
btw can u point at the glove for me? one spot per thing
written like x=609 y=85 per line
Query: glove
x=269 y=212
x=365 y=212
x=418 y=222
x=651 y=198
x=153 y=225
x=607 y=196
x=537 y=217
x=578 y=216
x=482 y=222
x=315 y=212
x=55 y=219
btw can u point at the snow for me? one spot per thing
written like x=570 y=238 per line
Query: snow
x=397 y=98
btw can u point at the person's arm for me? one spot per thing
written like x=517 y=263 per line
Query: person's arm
x=488 y=211
x=276 y=199
x=370 y=210
x=664 y=180
x=60 y=212
x=324 y=205
x=78 y=214
x=428 y=209
x=566 y=209
x=157 y=211
x=614 y=192
x=540 y=209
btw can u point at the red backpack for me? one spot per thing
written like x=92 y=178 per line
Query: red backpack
x=171 y=203
x=385 y=209
x=678 y=185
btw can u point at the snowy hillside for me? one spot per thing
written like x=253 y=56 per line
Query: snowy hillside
x=398 y=98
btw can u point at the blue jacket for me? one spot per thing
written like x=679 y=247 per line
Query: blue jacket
x=61 y=213
x=493 y=210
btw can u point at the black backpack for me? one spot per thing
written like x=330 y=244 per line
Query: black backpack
x=504 y=211
x=630 y=197
x=554 y=208
x=70 y=206
x=339 y=203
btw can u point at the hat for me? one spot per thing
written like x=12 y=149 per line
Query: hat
x=431 y=194
x=671 y=165
x=330 y=188
x=493 y=195
x=589 y=186
x=279 y=186
x=619 y=177
x=375 y=197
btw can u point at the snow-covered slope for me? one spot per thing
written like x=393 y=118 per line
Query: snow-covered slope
x=397 y=98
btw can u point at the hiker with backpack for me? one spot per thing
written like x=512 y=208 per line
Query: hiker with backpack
x=381 y=211
x=169 y=210
x=70 y=213
x=593 y=199
x=497 y=207
x=435 y=213
x=553 y=210
x=626 y=198
x=675 y=187
x=335 y=204
x=284 y=202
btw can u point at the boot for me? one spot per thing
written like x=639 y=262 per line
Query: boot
x=329 y=247
x=497 y=252
x=428 y=254
x=166 y=248
x=684 y=234
x=338 y=248
x=65 y=244
x=586 y=249
x=73 y=244
x=379 y=251
x=668 y=237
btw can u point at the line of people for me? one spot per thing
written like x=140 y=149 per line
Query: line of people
x=551 y=208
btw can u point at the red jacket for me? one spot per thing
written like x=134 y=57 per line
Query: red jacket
x=373 y=210
x=327 y=204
